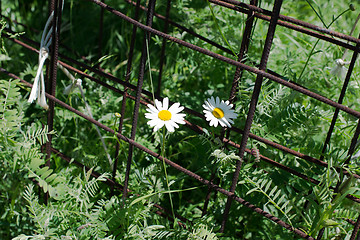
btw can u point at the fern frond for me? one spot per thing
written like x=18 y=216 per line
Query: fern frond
x=9 y=95
x=272 y=97
x=38 y=133
x=263 y=186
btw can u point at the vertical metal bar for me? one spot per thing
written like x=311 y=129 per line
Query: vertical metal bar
x=56 y=5
x=341 y=98
x=353 y=143
x=101 y=27
x=321 y=233
x=237 y=76
x=162 y=54
x=356 y=229
x=243 y=49
x=127 y=78
x=149 y=21
x=253 y=103
x=207 y=198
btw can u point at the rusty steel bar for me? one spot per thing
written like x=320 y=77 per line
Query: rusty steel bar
x=243 y=50
x=56 y=6
x=125 y=94
x=140 y=82
x=287 y=25
x=190 y=111
x=237 y=76
x=356 y=229
x=266 y=18
x=293 y=20
x=321 y=233
x=207 y=198
x=199 y=129
x=341 y=98
x=172 y=164
x=194 y=127
x=162 y=54
x=253 y=103
x=215 y=44
x=353 y=143
x=231 y=61
x=101 y=28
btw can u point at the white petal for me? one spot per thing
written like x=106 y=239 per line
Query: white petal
x=209 y=117
x=153 y=122
x=151 y=116
x=211 y=107
x=175 y=108
x=158 y=105
x=211 y=101
x=166 y=103
x=206 y=112
x=214 y=122
x=169 y=127
x=174 y=124
x=178 y=119
x=152 y=109
x=217 y=101
x=206 y=107
x=224 y=122
x=159 y=125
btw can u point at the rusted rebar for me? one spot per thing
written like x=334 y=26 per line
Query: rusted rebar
x=263 y=14
x=253 y=103
x=101 y=30
x=170 y=163
x=163 y=46
x=341 y=98
x=356 y=229
x=263 y=73
x=56 y=7
x=294 y=21
x=187 y=110
x=125 y=94
x=140 y=82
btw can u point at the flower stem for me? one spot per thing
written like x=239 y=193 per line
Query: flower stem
x=148 y=60
x=166 y=176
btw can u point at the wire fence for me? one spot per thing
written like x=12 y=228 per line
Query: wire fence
x=140 y=96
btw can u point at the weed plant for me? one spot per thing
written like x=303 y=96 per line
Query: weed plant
x=83 y=207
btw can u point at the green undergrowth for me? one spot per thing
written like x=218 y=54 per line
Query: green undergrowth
x=81 y=206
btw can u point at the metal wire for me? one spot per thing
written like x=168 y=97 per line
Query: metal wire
x=140 y=94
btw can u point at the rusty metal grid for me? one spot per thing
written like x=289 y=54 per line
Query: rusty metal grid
x=141 y=96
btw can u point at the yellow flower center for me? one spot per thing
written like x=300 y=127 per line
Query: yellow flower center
x=218 y=113
x=164 y=115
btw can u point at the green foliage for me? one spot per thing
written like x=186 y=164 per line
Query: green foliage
x=82 y=207
x=274 y=195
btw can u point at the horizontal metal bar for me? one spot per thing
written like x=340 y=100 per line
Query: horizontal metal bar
x=231 y=61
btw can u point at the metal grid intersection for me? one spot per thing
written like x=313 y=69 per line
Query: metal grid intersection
x=142 y=96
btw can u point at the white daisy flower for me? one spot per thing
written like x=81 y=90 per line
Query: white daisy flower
x=161 y=115
x=339 y=69
x=217 y=111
